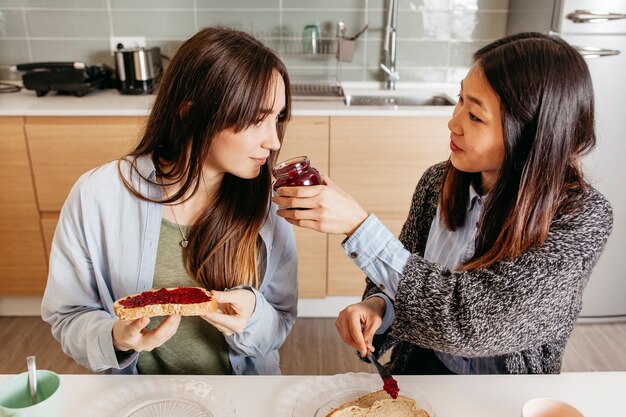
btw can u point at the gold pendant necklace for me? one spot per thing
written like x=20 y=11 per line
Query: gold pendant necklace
x=183 y=242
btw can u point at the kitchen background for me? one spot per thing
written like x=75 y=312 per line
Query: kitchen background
x=436 y=40
x=435 y=37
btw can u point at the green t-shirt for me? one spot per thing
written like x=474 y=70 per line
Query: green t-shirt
x=197 y=347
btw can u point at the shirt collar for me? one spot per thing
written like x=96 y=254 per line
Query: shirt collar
x=474 y=198
x=145 y=167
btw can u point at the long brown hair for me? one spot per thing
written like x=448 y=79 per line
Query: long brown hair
x=547 y=107
x=226 y=75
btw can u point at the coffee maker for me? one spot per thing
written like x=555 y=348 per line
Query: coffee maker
x=137 y=69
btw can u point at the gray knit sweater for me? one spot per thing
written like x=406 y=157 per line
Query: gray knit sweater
x=523 y=309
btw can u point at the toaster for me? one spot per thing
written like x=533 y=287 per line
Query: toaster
x=75 y=78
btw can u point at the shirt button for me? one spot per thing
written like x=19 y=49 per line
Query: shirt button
x=354 y=255
x=238 y=368
x=382 y=287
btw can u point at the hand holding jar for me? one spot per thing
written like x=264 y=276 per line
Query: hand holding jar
x=325 y=207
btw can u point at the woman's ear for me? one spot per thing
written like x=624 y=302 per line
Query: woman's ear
x=184 y=109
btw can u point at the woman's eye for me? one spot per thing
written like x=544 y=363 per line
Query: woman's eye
x=280 y=118
x=460 y=98
x=474 y=118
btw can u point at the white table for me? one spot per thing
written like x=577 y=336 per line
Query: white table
x=594 y=394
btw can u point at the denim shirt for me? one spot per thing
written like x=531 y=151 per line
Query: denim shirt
x=382 y=257
x=105 y=247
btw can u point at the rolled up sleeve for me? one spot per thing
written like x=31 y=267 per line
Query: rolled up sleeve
x=378 y=253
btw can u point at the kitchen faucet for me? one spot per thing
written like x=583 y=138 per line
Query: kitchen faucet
x=391 y=45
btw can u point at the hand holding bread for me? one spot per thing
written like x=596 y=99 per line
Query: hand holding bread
x=133 y=335
x=229 y=312
x=235 y=307
x=134 y=312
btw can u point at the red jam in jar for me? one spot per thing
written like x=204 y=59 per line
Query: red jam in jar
x=295 y=172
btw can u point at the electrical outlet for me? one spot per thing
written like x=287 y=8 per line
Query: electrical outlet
x=126 y=42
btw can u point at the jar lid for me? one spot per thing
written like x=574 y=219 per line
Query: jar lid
x=297 y=163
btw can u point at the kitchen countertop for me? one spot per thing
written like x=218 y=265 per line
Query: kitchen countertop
x=112 y=103
x=593 y=393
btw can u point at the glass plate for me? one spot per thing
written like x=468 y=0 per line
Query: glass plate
x=166 y=397
x=317 y=398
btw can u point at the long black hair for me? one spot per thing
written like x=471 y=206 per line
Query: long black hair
x=547 y=107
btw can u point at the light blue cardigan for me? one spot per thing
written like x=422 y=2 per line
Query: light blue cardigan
x=105 y=248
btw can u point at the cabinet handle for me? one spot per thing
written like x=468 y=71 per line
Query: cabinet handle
x=594 y=16
x=590 y=52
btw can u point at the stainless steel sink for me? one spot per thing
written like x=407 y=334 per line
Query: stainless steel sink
x=396 y=101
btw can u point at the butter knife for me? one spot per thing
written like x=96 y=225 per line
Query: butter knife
x=389 y=383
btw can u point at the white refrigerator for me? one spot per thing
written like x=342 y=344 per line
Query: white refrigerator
x=597 y=28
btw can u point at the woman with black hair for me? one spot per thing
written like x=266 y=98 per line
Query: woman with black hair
x=490 y=267
x=189 y=206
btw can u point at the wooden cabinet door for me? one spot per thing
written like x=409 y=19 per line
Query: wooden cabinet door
x=49 y=222
x=379 y=162
x=63 y=148
x=309 y=136
x=22 y=259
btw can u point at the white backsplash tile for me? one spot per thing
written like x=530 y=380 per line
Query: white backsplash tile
x=435 y=37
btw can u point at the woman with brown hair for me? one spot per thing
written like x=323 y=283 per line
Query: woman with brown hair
x=189 y=206
x=490 y=267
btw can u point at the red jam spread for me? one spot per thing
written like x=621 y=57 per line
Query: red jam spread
x=182 y=295
x=295 y=172
x=391 y=386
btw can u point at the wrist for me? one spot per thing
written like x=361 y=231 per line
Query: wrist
x=362 y=217
x=378 y=304
x=120 y=347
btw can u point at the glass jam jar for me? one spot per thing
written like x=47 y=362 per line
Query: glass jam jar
x=295 y=172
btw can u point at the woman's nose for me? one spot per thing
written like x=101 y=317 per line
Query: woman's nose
x=271 y=141
x=453 y=123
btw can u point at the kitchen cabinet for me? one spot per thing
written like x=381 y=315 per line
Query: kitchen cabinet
x=63 y=148
x=378 y=160
x=379 y=163
x=22 y=257
x=309 y=136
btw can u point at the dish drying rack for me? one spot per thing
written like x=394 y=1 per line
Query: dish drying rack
x=317 y=90
x=340 y=48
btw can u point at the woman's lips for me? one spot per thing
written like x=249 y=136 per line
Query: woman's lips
x=259 y=161
x=454 y=148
